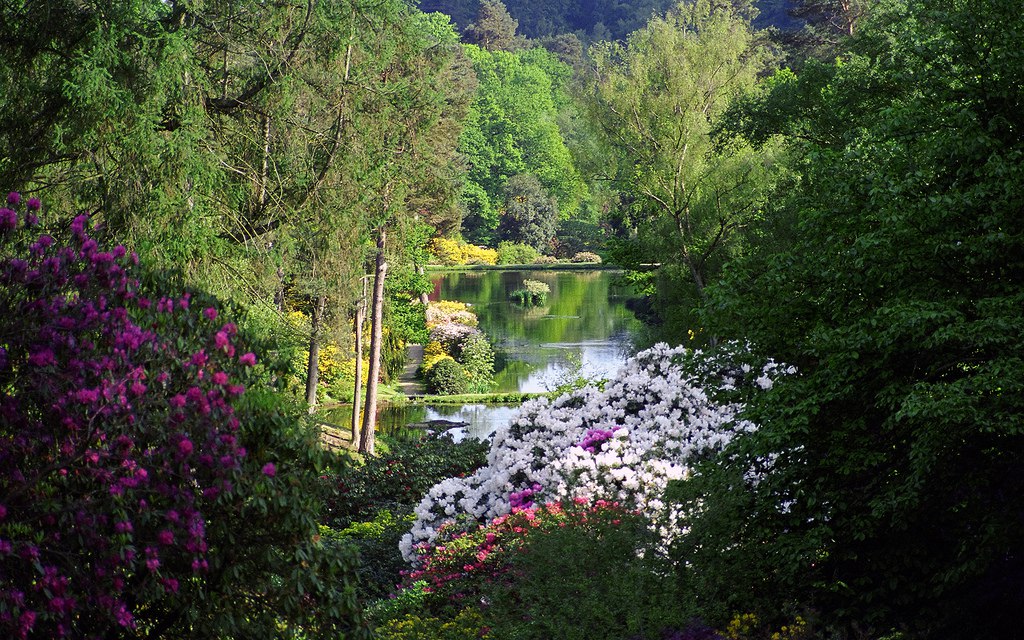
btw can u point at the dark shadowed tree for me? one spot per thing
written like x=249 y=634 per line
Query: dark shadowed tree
x=530 y=215
x=494 y=29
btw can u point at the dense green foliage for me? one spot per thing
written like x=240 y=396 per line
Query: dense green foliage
x=258 y=148
x=530 y=215
x=655 y=97
x=369 y=505
x=856 y=216
x=447 y=377
x=512 y=128
x=515 y=253
x=897 y=292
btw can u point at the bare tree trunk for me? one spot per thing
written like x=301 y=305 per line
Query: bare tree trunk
x=370 y=410
x=358 y=327
x=261 y=187
x=313 y=366
x=424 y=297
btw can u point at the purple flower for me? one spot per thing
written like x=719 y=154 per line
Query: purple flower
x=185 y=446
x=13 y=198
x=42 y=358
x=8 y=219
x=247 y=359
x=210 y=313
x=269 y=470
x=594 y=438
x=33 y=204
x=152 y=559
x=220 y=340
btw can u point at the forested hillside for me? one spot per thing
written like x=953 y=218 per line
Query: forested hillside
x=597 y=19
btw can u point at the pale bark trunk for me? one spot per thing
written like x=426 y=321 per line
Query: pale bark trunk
x=313 y=366
x=358 y=329
x=366 y=442
x=424 y=297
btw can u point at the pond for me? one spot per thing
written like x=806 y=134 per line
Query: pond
x=584 y=321
x=583 y=328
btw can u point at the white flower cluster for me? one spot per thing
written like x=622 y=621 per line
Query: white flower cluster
x=661 y=416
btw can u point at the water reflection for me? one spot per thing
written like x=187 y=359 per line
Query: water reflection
x=585 y=320
x=480 y=420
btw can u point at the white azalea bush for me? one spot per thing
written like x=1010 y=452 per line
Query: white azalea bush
x=625 y=443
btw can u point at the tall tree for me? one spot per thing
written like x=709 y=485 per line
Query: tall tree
x=415 y=117
x=494 y=29
x=530 y=215
x=513 y=128
x=655 y=98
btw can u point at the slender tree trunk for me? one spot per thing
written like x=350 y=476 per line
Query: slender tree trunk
x=370 y=410
x=358 y=330
x=313 y=366
x=261 y=188
x=424 y=297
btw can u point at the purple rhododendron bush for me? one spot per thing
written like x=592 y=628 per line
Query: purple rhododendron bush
x=144 y=492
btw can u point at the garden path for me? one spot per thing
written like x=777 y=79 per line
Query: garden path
x=408 y=381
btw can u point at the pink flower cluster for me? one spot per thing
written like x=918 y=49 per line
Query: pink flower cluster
x=460 y=562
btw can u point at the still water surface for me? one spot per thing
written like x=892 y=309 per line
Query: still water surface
x=584 y=322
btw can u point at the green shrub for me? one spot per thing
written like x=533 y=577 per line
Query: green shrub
x=398 y=478
x=369 y=507
x=540 y=566
x=532 y=293
x=377 y=541
x=477 y=358
x=516 y=253
x=447 y=377
x=467 y=625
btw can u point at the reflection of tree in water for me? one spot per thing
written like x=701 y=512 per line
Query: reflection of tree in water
x=583 y=308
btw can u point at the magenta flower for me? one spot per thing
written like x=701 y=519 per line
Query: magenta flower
x=8 y=219
x=13 y=198
x=185 y=446
x=210 y=313
x=42 y=358
x=33 y=204
x=248 y=359
x=269 y=470
x=220 y=340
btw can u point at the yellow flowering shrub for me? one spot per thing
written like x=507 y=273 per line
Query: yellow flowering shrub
x=746 y=626
x=741 y=626
x=433 y=348
x=467 y=625
x=472 y=254
x=451 y=252
x=446 y=251
x=336 y=371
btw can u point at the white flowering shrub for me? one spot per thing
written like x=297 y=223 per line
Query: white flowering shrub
x=665 y=409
